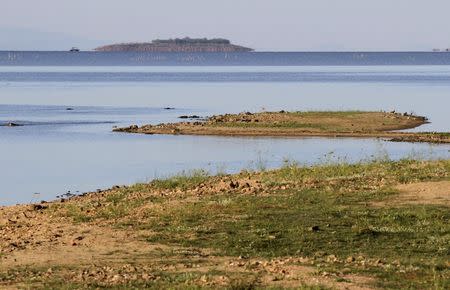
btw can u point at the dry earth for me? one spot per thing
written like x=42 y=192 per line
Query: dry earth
x=37 y=246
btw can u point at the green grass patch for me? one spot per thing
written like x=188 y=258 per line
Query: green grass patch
x=183 y=180
x=324 y=210
x=281 y=224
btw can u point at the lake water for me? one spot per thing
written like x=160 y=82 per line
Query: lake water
x=59 y=150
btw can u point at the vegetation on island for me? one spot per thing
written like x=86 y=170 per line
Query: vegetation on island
x=188 y=40
x=178 y=45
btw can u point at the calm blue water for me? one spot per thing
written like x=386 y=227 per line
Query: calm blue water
x=59 y=150
x=29 y=58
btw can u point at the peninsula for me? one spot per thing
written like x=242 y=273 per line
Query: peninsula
x=178 y=45
x=301 y=124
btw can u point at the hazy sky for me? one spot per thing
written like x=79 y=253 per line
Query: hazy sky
x=281 y=25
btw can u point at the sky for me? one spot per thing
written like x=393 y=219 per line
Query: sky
x=266 y=25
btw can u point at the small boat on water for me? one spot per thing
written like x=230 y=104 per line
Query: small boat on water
x=74 y=49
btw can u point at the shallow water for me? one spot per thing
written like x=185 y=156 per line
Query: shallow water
x=59 y=150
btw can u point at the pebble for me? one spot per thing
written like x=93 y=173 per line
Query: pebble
x=314 y=228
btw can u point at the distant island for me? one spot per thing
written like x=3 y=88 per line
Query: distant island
x=178 y=45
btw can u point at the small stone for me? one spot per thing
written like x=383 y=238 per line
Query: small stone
x=234 y=184
x=378 y=262
x=11 y=124
x=319 y=254
x=346 y=271
x=332 y=258
x=39 y=207
x=350 y=259
x=314 y=228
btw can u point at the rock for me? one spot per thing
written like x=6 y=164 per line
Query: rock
x=76 y=240
x=314 y=228
x=319 y=254
x=189 y=117
x=11 y=124
x=377 y=262
x=234 y=184
x=350 y=259
x=332 y=258
x=39 y=207
x=346 y=271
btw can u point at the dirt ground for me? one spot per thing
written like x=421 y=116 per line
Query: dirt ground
x=41 y=244
x=38 y=246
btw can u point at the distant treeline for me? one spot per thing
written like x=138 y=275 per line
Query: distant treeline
x=188 y=40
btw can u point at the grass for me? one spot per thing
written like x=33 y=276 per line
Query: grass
x=317 y=212
x=325 y=121
x=183 y=180
x=279 y=224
